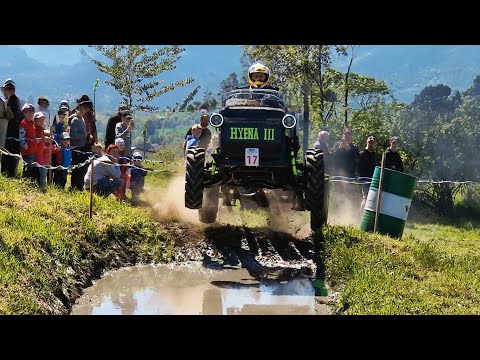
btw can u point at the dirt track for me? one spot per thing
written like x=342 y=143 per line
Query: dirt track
x=268 y=255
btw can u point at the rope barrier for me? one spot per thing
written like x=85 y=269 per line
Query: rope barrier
x=87 y=162
x=332 y=178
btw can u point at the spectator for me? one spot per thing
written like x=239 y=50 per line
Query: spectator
x=43 y=105
x=345 y=156
x=78 y=133
x=3 y=124
x=393 y=160
x=90 y=122
x=14 y=115
x=64 y=105
x=322 y=144
x=205 y=137
x=28 y=142
x=137 y=177
x=366 y=166
x=40 y=158
x=124 y=130
x=120 y=193
x=112 y=122
x=58 y=126
x=193 y=139
x=62 y=158
x=106 y=173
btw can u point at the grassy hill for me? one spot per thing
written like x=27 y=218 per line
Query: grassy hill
x=50 y=250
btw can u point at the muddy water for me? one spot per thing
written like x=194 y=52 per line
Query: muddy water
x=191 y=288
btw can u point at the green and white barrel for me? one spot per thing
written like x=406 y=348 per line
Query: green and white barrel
x=397 y=192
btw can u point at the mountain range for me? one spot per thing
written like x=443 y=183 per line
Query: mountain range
x=61 y=72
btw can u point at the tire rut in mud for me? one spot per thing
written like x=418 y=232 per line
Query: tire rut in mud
x=266 y=254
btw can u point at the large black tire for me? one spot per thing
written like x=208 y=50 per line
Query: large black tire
x=194 y=178
x=316 y=195
x=208 y=213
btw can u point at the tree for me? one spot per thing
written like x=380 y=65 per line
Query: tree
x=301 y=69
x=442 y=143
x=209 y=101
x=353 y=51
x=228 y=84
x=434 y=99
x=134 y=72
x=185 y=104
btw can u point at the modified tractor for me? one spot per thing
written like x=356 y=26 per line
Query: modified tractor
x=257 y=148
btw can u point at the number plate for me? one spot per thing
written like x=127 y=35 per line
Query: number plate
x=252 y=157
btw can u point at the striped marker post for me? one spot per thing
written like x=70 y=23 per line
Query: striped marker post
x=397 y=192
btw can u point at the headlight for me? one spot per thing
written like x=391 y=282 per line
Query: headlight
x=289 y=121
x=216 y=120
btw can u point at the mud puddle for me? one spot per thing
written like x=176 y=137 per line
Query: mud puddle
x=193 y=288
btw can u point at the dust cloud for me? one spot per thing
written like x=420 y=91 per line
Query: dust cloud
x=171 y=204
x=344 y=209
x=345 y=204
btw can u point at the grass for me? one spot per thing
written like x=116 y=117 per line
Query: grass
x=423 y=273
x=49 y=247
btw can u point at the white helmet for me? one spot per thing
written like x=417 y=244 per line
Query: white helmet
x=258 y=68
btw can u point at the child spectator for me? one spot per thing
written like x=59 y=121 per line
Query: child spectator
x=124 y=130
x=59 y=124
x=27 y=136
x=41 y=173
x=43 y=105
x=137 y=177
x=193 y=139
x=64 y=158
x=106 y=173
x=124 y=170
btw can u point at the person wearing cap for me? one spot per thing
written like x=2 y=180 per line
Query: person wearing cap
x=78 y=142
x=393 y=160
x=58 y=127
x=43 y=105
x=41 y=156
x=124 y=130
x=90 y=121
x=28 y=140
x=366 y=166
x=137 y=177
x=14 y=115
x=62 y=158
x=112 y=122
x=59 y=123
x=106 y=173
x=64 y=105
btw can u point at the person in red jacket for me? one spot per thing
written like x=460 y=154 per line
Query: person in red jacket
x=41 y=172
x=28 y=143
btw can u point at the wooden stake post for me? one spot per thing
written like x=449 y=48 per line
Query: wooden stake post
x=379 y=195
x=91 y=186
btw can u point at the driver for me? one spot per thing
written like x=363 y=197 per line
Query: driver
x=258 y=76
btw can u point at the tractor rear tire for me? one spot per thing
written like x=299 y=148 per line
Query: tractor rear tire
x=316 y=194
x=194 y=178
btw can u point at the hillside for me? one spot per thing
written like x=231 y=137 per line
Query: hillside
x=407 y=69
